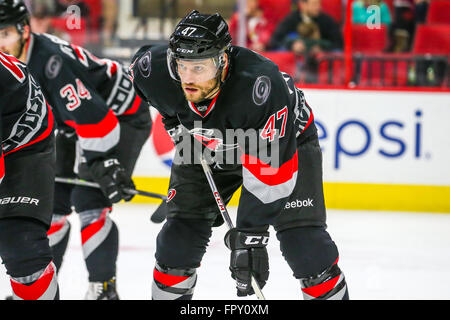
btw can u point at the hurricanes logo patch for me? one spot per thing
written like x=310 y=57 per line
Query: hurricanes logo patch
x=261 y=90
x=53 y=67
x=171 y=194
x=145 y=66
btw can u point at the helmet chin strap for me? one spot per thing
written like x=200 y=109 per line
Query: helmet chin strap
x=215 y=90
x=22 y=46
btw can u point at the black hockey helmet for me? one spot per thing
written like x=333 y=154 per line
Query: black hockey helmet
x=198 y=36
x=13 y=13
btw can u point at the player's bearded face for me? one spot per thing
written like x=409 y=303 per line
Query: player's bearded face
x=198 y=78
x=10 y=41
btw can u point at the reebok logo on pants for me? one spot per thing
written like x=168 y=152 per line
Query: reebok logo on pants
x=299 y=204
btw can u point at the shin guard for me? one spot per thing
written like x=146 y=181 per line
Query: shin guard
x=173 y=283
x=41 y=285
x=328 y=285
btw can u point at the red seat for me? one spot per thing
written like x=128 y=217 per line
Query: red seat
x=439 y=12
x=432 y=39
x=333 y=8
x=367 y=40
x=285 y=60
x=77 y=33
x=275 y=10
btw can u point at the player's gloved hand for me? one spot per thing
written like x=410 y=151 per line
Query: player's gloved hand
x=173 y=128
x=248 y=257
x=112 y=178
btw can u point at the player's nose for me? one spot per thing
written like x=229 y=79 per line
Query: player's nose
x=188 y=77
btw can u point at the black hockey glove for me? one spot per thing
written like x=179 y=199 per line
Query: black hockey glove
x=248 y=257
x=112 y=178
x=173 y=128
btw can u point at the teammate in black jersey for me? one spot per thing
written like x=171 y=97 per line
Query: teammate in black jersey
x=27 y=171
x=259 y=133
x=97 y=110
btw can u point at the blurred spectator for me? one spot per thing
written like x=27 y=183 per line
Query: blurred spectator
x=110 y=11
x=258 y=28
x=307 y=30
x=362 y=13
x=41 y=18
x=421 y=9
x=62 y=5
x=402 y=30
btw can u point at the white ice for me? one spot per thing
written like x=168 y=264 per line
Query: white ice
x=384 y=255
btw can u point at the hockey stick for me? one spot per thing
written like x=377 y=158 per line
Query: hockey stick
x=85 y=183
x=223 y=210
x=157 y=217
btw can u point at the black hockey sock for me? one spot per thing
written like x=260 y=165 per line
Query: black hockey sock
x=27 y=257
x=58 y=236
x=100 y=243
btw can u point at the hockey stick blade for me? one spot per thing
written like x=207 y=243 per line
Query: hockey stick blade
x=160 y=214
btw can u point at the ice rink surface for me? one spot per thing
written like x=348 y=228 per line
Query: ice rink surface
x=384 y=256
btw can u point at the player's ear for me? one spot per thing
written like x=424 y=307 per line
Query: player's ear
x=225 y=67
x=26 y=32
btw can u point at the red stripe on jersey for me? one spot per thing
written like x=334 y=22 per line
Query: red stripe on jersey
x=93 y=228
x=210 y=107
x=98 y=130
x=134 y=107
x=113 y=68
x=311 y=118
x=269 y=175
x=11 y=63
x=2 y=167
x=322 y=288
x=167 y=279
x=38 y=288
x=44 y=135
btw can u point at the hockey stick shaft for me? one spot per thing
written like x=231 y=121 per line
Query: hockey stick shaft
x=85 y=183
x=224 y=212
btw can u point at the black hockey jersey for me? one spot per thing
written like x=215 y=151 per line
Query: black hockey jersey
x=257 y=99
x=26 y=120
x=86 y=93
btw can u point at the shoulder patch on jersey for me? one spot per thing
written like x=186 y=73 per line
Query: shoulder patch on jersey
x=145 y=66
x=53 y=66
x=261 y=90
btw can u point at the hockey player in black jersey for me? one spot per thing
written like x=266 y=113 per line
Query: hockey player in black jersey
x=27 y=171
x=98 y=115
x=236 y=102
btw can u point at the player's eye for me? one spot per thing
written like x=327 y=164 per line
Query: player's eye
x=199 y=69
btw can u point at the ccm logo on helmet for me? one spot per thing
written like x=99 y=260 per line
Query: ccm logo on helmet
x=252 y=240
x=183 y=50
